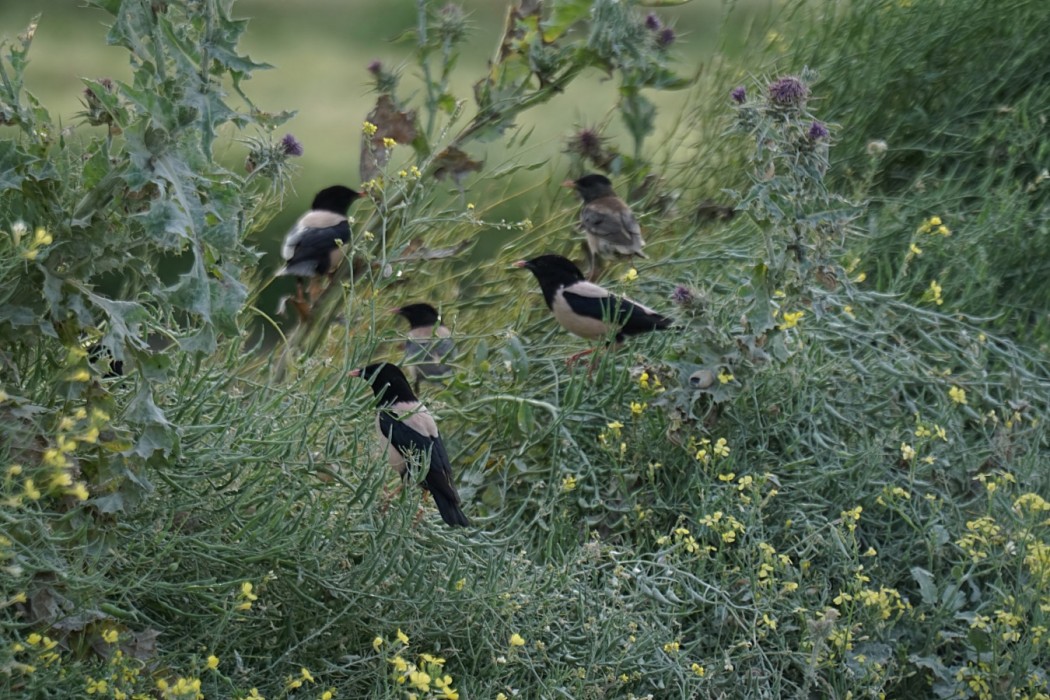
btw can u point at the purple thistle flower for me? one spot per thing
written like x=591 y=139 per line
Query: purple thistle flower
x=788 y=92
x=665 y=38
x=683 y=296
x=652 y=22
x=817 y=131
x=290 y=146
x=375 y=67
x=739 y=94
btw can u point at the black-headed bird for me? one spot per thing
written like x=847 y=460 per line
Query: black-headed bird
x=607 y=221
x=429 y=343
x=411 y=437
x=313 y=247
x=586 y=309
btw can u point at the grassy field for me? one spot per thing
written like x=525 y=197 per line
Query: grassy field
x=829 y=480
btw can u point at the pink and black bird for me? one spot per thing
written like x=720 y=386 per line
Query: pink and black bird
x=586 y=309
x=411 y=437
x=429 y=343
x=312 y=248
x=607 y=221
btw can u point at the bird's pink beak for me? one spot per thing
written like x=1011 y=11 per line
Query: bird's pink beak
x=355 y=373
x=520 y=263
x=569 y=183
x=396 y=310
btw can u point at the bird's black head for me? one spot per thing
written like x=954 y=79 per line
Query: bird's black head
x=388 y=382
x=552 y=272
x=418 y=315
x=593 y=186
x=336 y=199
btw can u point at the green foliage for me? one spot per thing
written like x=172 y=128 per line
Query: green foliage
x=823 y=483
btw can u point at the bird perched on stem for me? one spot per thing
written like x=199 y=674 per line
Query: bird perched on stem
x=586 y=309
x=312 y=248
x=607 y=221
x=411 y=437
x=429 y=343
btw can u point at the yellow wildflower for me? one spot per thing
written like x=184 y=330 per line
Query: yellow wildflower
x=389 y=142
x=516 y=640
x=957 y=394
x=110 y=636
x=420 y=679
x=791 y=319
x=212 y=662
x=638 y=408
x=369 y=129
x=699 y=670
x=568 y=483
x=402 y=637
x=725 y=377
x=630 y=276
x=377 y=642
x=31 y=491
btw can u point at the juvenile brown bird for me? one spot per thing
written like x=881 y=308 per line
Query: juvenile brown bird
x=412 y=438
x=607 y=222
x=429 y=343
x=312 y=247
x=586 y=309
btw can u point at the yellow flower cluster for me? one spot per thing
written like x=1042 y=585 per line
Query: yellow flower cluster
x=293 y=682
x=704 y=450
x=726 y=526
x=887 y=600
x=426 y=674
x=790 y=319
x=53 y=475
x=650 y=382
x=851 y=517
x=934 y=225
x=246 y=596
x=933 y=293
x=33 y=246
x=181 y=689
x=981 y=535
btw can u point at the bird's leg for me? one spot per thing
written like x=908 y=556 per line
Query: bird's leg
x=594 y=264
x=592 y=364
x=419 y=512
x=582 y=353
x=388 y=497
x=302 y=307
x=315 y=289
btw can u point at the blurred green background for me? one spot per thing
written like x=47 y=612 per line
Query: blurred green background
x=319 y=51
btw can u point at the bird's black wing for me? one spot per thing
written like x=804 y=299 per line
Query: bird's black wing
x=414 y=445
x=316 y=243
x=629 y=316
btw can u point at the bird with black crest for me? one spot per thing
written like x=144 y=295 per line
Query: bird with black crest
x=608 y=223
x=313 y=248
x=429 y=345
x=586 y=309
x=411 y=437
